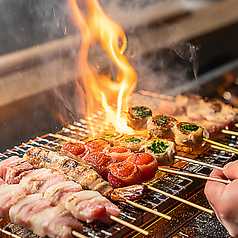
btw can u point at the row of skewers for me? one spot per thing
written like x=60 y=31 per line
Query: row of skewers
x=107 y=158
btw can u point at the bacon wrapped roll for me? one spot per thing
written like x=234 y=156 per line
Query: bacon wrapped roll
x=133 y=142
x=162 y=150
x=161 y=126
x=118 y=153
x=138 y=116
x=189 y=134
x=97 y=145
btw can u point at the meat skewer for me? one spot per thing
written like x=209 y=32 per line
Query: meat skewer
x=46 y=204
x=74 y=170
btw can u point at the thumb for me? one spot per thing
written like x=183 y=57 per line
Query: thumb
x=231 y=170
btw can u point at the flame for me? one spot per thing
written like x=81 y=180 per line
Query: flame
x=102 y=90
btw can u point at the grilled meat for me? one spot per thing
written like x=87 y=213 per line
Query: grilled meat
x=133 y=142
x=118 y=153
x=189 y=134
x=98 y=145
x=81 y=173
x=161 y=126
x=138 y=116
x=162 y=150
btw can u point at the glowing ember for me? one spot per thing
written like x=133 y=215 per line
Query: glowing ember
x=94 y=27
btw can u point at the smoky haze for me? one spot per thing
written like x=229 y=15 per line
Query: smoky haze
x=33 y=23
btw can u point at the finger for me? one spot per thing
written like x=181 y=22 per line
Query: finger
x=231 y=170
x=214 y=190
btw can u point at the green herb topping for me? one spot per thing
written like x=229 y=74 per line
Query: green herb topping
x=133 y=140
x=189 y=127
x=141 y=111
x=162 y=120
x=158 y=146
x=107 y=136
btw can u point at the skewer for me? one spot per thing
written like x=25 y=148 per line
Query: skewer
x=133 y=227
x=198 y=162
x=147 y=209
x=194 y=175
x=235 y=133
x=181 y=200
x=220 y=144
x=9 y=233
x=222 y=148
x=236 y=125
x=78 y=235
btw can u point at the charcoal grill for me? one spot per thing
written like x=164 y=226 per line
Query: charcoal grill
x=182 y=215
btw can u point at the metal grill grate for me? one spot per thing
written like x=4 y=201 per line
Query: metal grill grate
x=175 y=185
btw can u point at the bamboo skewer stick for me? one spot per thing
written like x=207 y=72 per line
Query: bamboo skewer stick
x=220 y=144
x=78 y=235
x=194 y=175
x=9 y=233
x=222 y=148
x=181 y=200
x=198 y=162
x=133 y=227
x=148 y=209
x=235 y=133
x=236 y=125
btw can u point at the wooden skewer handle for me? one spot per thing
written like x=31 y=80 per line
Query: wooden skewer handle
x=194 y=175
x=220 y=144
x=78 y=235
x=235 y=133
x=127 y=224
x=181 y=200
x=222 y=148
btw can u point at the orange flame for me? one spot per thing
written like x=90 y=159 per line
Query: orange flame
x=98 y=27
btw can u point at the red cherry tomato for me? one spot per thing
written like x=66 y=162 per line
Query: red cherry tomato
x=74 y=148
x=123 y=174
x=100 y=162
x=146 y=163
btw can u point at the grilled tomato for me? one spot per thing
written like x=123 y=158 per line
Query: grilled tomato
x=123 y=174
x=146 y=163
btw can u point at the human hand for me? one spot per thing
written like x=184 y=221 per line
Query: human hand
x=224 y=197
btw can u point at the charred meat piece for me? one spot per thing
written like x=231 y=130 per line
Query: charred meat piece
x=97 y=145
x=133 y=142
x=123 y=174
x=189 y=134
x=162 y=150
x=138 y=116
x=100 y=162
x=81 y=173
x=130 y=192
x=161 y=126
x=118 y=153
x=146 y=163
